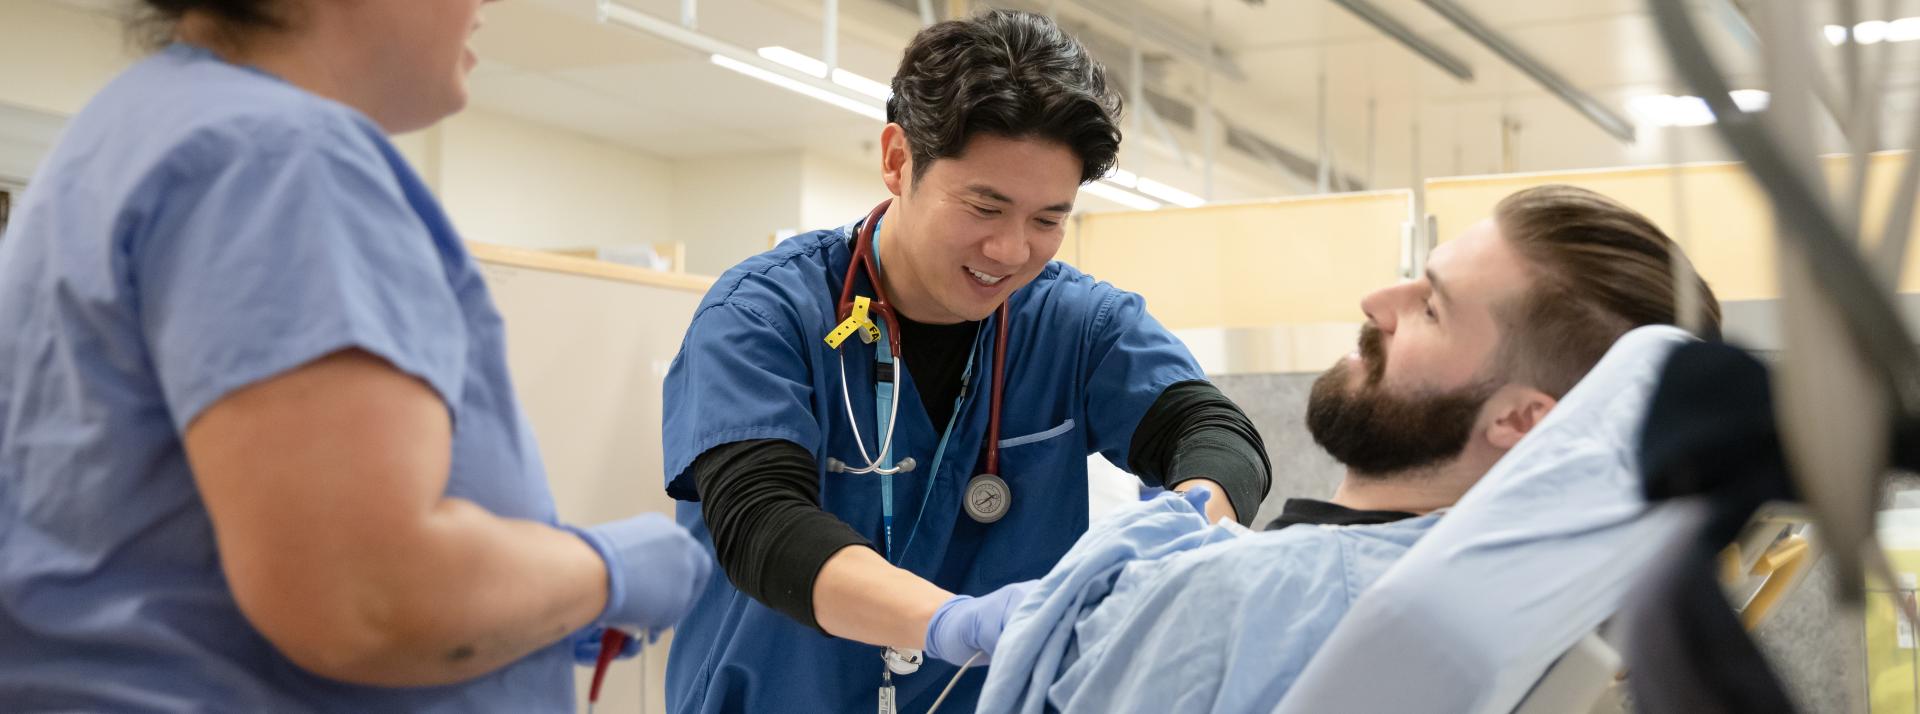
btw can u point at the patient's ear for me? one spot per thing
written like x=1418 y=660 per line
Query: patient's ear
x=1516 y=410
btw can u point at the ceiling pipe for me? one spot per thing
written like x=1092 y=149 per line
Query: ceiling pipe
x=1600 y=114
x=1391 y=27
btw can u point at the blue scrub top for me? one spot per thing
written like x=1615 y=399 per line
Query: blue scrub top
x=199 y=228
x=1084 y=363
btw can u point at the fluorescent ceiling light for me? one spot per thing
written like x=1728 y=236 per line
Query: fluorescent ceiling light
x=1906 y=29
x=1870 y=32
x=790 y=58
x=739 y=59
x=1751 y=100
x=1120 y=196
x=1169 y=194
x=1669 y=110
x=800 y=62
x=871 y=88
x=839 y=100
x=1119 y=181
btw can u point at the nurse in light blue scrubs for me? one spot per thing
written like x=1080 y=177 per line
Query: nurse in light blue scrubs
x=259 y=451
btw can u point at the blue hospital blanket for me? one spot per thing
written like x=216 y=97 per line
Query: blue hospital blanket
x=1154 y=610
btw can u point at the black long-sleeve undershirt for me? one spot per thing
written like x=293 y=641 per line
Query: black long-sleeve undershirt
x=761 y=501
x=1193 y=431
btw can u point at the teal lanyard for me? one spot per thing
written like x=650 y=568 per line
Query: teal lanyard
x=884 y=394
x=883 y=403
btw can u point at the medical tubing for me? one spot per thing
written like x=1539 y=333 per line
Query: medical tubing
x=999 y=387
x=611 y=642
x=846 y=284
x=956 y=680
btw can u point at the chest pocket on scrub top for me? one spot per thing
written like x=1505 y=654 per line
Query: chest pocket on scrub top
x=1062 y=429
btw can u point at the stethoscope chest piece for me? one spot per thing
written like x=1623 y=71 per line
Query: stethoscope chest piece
x=988 y=498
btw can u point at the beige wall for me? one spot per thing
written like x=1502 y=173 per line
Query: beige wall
x=836 y=191
x=56 y=57
x=501 y=179
x=1728 y=229
x=510 y=182
x=1289 y=261
x=728 y=208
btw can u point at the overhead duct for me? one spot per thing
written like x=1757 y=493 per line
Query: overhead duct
x=1600 y=114
x=1250 y=144
x=1394 y=28
x=1176 y=111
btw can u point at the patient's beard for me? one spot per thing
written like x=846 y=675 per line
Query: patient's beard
x=1379 y=434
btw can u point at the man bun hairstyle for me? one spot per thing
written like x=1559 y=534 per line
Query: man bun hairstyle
x=1006 y=73
x=1600 y=270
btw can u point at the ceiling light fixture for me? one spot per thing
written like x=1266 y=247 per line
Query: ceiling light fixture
x=1120 y=195
x=1140 y=191
x=812 y=83
x=1871 y=32
x=839 y=100
x=1686 y=110
x=1169 y=194
x=803 y=63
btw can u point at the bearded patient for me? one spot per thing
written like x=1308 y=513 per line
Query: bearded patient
x=1452 y=369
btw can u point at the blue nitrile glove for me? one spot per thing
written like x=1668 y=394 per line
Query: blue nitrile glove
x=1196 y=496
x=965 y=624
x=654 y=571
x=586 y=646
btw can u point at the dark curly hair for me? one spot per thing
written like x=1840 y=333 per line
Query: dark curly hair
x=154 y=22
x=1007 y=73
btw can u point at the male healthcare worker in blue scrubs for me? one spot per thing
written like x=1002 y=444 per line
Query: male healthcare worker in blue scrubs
x=995 y=122
x=258 y=447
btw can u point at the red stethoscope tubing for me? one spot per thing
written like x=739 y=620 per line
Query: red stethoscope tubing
x=611 y=642
x=863 y=260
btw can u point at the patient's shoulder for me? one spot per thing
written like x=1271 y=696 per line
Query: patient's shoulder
x=1261 y=561
x=1334 y=561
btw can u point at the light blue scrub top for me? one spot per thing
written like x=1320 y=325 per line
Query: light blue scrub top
x=1085 y=362
x=199 y=228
